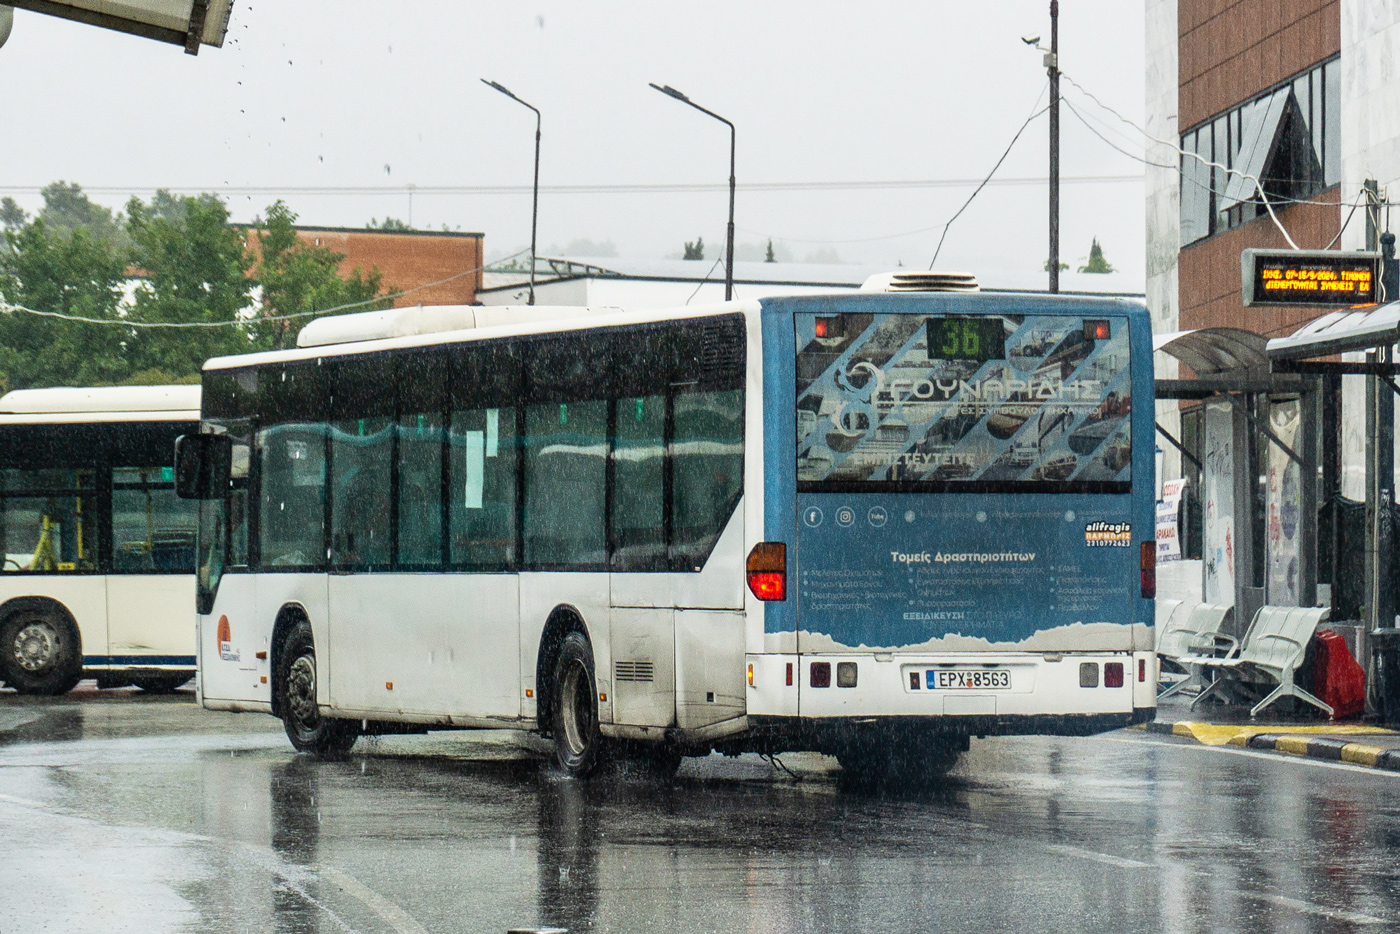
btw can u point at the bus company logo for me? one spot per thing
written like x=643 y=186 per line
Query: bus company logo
x=226 y=650
x=1108 y=534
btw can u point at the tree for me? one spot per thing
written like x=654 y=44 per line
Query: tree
x=770 y=257
x=67 y=208
x=71 y=273
x=193 y=269
x=1063 y=266
x=389 y=223
x=12 y=216
x=695 y=250
x=298 y=277
x=1097 y=263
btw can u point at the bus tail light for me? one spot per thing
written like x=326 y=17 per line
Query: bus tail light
x=1142 y=669
x=1148 y=564
x=1113 y=674
x=766 y=570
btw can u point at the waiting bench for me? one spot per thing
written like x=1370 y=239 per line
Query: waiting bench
x=1185 y=635
x=1270 y=653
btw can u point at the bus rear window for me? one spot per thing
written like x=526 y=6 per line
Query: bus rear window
x=984 y=403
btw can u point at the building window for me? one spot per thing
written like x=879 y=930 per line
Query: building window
x=1288 y=138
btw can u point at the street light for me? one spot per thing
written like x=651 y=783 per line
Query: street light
x=729 y=245
x=535 y=198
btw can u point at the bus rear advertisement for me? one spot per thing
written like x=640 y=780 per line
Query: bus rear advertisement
x=867 y=524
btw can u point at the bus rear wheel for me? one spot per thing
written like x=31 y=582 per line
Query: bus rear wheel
x=578 y=745
x=323 y=737
x=39 y=652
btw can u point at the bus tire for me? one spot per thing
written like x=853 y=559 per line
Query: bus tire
x=161 y=684
x=40 y=651
x=578 y=745
x=323 y=737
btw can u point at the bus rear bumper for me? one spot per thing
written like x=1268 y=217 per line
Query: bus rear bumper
x=831 y=734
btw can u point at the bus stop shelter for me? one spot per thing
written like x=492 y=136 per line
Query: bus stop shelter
x=1257 y=463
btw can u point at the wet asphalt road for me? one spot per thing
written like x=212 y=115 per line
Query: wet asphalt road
x=120 y=812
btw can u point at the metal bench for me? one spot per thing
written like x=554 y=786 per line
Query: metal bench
x=1270 y=654
x=1186 y=637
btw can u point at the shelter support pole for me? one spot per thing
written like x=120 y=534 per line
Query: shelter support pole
x=1309 y=414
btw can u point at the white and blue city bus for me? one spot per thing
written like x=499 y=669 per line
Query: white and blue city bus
x=868 y=524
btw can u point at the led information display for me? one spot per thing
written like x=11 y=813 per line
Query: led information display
x=1309 y=277
x=978 y=339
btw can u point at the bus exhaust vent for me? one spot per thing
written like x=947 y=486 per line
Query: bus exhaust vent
x=632 y=671
x=921 y=282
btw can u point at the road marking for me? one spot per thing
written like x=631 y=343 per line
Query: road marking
x=1122 y=862
x=1339 y=914
x=400 y=920
x=1256 y=754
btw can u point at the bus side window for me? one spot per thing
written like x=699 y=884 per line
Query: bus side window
x=483 y=450
x=707 y=448
x=361 y=450
x=47 y=521
x=638 y=523
x=564 y=484
x=152 y=529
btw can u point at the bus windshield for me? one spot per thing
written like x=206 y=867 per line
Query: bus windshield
x=972 y=404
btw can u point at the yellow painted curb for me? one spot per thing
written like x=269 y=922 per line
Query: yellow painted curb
x=1361 y=754
x=1297 y=745
x=1220 y=734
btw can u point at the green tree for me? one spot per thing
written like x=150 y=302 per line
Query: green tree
x=67 y=208
x=769 y=257
x=694 y=250
x=193 y=269
x=1063 y=266
x=70 y=273
x=299 y=277
x=1097 y=263
x=12 y=216
x=389 y=223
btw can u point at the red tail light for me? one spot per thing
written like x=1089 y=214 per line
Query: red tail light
x=1142 y=669
x=1113 y=675
x=766 y=571
x=1149 y=570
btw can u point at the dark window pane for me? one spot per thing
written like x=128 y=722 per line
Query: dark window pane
x=565 y=445
x=707 y=448
x=152 y=529
x=292 y=393
x=360 y=490
x=568 y=368
x=14 y=479
x=292 y=478
x=420 y=490
x=639 y=539
x=51 y=534
x=483 y=448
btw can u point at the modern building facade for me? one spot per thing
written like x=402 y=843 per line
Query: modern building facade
x=1299 y=96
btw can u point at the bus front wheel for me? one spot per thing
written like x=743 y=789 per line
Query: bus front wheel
x=577 y=741
x=323 y=737
x=39 y=652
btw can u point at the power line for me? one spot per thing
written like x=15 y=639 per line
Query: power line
x=581 y=189
x=251 y=319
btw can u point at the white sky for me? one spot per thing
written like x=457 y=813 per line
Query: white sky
x=357 y=93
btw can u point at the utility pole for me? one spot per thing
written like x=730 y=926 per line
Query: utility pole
x=1380 y=463
x=1052 y=64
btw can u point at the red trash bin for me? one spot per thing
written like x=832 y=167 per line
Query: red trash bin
x=1338 y=680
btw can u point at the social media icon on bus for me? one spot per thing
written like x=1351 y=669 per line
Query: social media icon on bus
x=845 y=517
x=877 y=516
x=812 y=517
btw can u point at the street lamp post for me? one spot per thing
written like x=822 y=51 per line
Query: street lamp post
x=729 y=241
x=535 y=197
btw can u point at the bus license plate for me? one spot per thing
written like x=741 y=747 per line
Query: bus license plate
x=968 y=679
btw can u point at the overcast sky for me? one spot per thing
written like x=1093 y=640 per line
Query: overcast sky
x=370 y=95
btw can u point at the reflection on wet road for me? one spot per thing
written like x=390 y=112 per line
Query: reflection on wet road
x=125 y=813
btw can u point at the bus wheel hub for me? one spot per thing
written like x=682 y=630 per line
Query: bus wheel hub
x=35 y=647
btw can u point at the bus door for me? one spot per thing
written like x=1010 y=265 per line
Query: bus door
x=963 y=482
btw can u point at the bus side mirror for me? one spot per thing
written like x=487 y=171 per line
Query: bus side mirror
x=202 y=465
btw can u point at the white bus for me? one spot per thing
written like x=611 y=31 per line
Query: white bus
x=98 y=552
x=833 y=523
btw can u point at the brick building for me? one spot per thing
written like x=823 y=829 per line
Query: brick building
x=408 y=259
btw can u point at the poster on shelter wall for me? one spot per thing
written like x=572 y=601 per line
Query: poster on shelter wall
x=1218 y=504
x=1283 y=509
x=1169 y=521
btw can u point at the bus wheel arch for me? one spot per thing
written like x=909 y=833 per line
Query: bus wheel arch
x=294 y=690
x=563 y=619
x=52 y=642
x=287 y=617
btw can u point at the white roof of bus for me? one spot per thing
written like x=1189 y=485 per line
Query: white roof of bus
x=363 y=335
x=100 y=404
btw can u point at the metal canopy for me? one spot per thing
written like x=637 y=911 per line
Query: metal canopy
x=1215 y=351
x=1340 y=332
